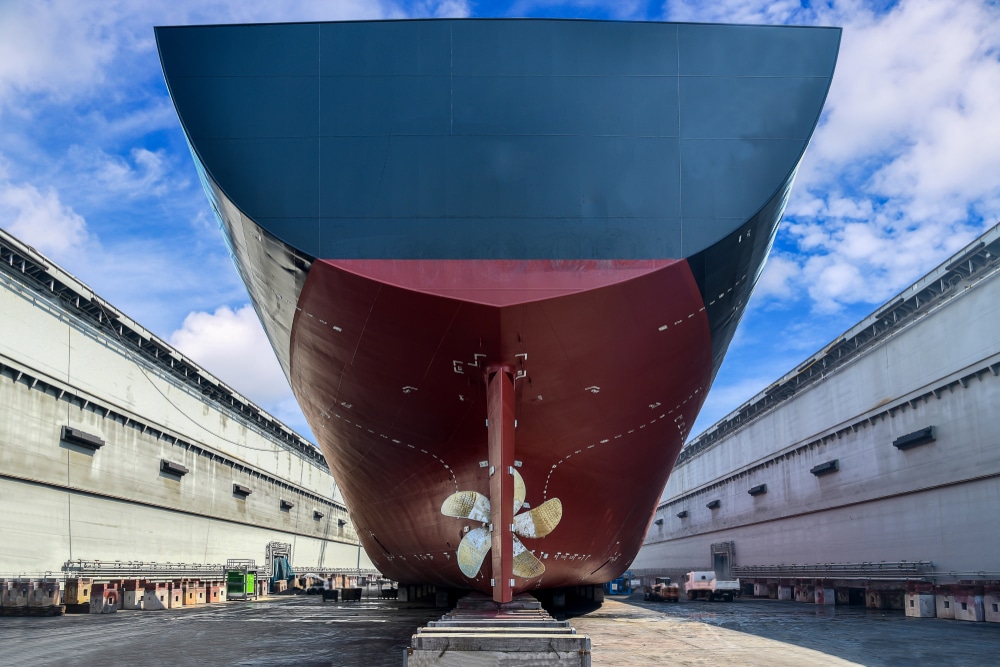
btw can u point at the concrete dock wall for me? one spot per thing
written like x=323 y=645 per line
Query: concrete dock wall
x=45 y=339
x=240 y=478
x=889 y=454
x=961 y=337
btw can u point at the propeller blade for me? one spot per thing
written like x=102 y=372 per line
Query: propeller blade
x=472 y=550
x=519 y=491
x=526 y=565
x=467 y=505
x=540 y=521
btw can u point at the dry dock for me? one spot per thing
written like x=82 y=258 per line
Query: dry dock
x=114 y=446
x=304 y=631
x=867 y=474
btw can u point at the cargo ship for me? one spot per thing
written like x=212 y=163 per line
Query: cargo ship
x=499 y=260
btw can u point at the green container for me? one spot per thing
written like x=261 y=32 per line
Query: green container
x=240 y=583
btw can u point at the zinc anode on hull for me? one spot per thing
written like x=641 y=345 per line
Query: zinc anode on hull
x=585 y=205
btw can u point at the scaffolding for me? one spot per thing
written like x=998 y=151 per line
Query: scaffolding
x=893 y=570
x=152 y=571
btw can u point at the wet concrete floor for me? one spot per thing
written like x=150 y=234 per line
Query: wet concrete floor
x=304 y=631
x=298 y=630
x=768 y=633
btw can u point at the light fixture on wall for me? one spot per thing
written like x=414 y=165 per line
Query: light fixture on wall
x=826 y=468
x=172 y=468
x=921 y=437
x=75 y=436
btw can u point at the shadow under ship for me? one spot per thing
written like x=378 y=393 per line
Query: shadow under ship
x=500 y=261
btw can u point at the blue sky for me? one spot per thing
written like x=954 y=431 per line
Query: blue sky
x=903 y=170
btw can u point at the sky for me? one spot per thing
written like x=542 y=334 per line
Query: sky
x=903 y=170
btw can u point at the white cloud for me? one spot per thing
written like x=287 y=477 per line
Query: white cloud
x=917 y=90
x=622 y=9
x=725 y=396
x=112 y=123
x=442 y=9
x=232 y=346
x=290 y=414
x=733 y=11
x=155 y=280
x=902 y=170
x=67 y=49
x=862 y=262
x=41 y=220
x=832 y=280
x=778 y=278
x=158 y=281
x=143 y=173
x=52 y=47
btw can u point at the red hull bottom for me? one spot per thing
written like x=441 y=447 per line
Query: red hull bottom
x=610 y=363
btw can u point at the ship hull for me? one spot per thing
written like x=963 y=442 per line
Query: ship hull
x=419 y=207
x=609 y=377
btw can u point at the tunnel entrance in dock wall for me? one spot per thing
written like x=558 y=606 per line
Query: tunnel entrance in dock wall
x=722 y=559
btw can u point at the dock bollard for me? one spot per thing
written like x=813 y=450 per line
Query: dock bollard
x=175 y=596
x=104 y=599
x=194 y=593
x=46 y=599
x=24 y=589
x=991 y=604
x=15 y=596
x=214 y=592
x=132 y=594
x=46 y=594
x=969 y=603
x=78 y=590
x=920 y=600
x=944 y=602
x=156 y=596
x=6 y=585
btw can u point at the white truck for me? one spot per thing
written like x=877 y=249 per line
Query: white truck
x=703 y=584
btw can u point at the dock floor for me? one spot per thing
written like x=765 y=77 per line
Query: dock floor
x=304 y=631
x=768 y=633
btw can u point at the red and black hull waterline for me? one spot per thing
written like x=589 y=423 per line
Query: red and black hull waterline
x=495 y=251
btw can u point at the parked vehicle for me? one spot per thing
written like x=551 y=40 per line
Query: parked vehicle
x=662 y=590
x=620 y=586
x=704 y=585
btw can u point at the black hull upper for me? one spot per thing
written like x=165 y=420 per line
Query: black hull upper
x=501 y=139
